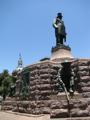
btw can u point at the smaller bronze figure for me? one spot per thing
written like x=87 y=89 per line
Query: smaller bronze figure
x=72 y=83
x=60 y=31
x=62 y=87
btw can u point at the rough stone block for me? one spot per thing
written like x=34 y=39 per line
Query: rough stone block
x=86 y=94
x=74 y=64
x=83 y=68
x=83 y=73
x=85 y=79
x=45 y=110
x=59 y=113
x=29 y=110
x=83 y=113
x=45 y=81
x=83 y=62
x=79 y=113
x=56 y=105
x=44 y=76
x=32 y=78
x=85 y=89
x=45 y=92
x=74 y=112
x=44 y=71
x=88 y=109
x=54 y=72
x=45 y=66
x=44 y=87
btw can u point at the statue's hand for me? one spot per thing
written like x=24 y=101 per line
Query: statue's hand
x=55 y=26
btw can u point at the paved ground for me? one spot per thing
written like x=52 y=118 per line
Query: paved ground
x=14 y=116
x=17 y=116
x=9 y=115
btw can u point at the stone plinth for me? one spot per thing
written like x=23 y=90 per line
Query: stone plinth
x=62 y=96
x=61 y=52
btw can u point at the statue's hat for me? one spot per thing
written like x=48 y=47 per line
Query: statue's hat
x=59 y=14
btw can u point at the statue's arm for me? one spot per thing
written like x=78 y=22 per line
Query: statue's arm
x=54 y=24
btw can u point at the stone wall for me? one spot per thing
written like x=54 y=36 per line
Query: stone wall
x=43 y=81
x=43 y=91
x=42 y=85
x=78 y=106
x=81 y=69
x=75 y=108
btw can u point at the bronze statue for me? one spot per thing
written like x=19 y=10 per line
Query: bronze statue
x=60 y=31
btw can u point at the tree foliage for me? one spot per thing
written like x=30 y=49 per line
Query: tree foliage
x=6 y=82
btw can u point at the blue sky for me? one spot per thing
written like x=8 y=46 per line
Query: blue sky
x=26 y=28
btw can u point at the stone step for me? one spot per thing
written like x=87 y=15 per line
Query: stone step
x=62 y=96
x=59 y=113
x=72 y=118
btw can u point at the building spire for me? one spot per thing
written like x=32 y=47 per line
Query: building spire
x=20 y=63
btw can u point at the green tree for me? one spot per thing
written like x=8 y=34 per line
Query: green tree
x=6 y=81
x=4 y=74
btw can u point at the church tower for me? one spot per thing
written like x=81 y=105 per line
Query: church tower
x=20 y=63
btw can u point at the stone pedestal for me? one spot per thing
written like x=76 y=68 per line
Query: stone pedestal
x=61 y=52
